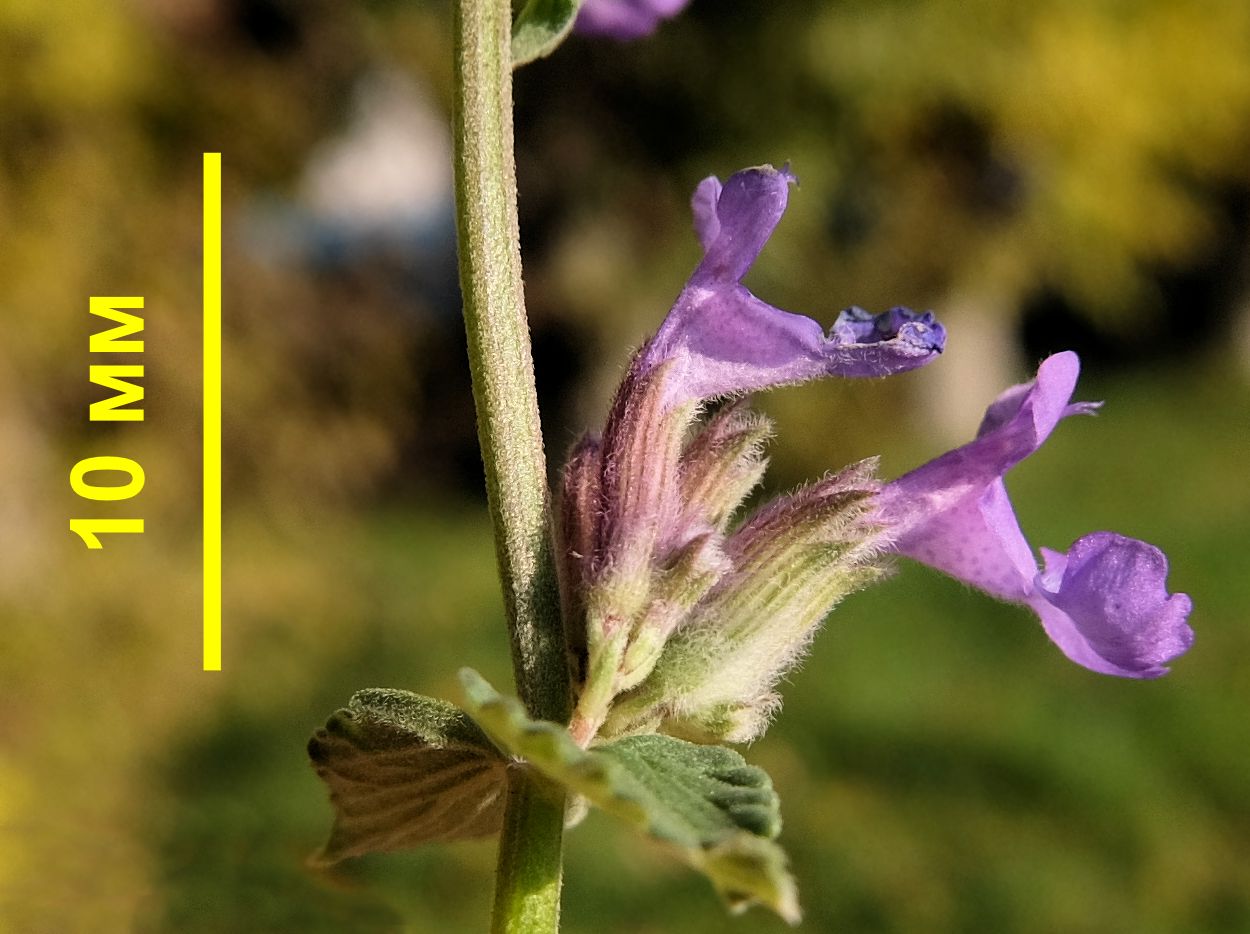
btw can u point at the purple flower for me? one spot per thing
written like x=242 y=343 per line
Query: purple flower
x=1104 y=603
x=625 y=19
x=722 y=340
x=645 y=510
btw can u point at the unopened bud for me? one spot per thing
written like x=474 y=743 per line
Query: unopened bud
x=793 y=562
x=722 y=464
x=675 y=592
x=641 y=446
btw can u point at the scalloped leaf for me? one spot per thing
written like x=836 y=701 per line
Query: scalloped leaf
x=719 y=813
x=404 y=769
x=540 y=27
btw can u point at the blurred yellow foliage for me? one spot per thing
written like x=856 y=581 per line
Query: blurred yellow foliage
x=1118 y=118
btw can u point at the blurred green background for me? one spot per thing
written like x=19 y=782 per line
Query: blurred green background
x=1044 y=175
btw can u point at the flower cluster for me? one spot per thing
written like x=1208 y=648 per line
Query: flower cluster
x=681 y=620
x=677 y=619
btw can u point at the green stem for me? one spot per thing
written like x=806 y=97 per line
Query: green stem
x=527 y=897
x=527 y=889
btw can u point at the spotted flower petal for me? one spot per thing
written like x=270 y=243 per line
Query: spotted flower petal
x=625 y=19
x=1104 y=603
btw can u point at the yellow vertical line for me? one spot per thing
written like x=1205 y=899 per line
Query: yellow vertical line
x=212 y=411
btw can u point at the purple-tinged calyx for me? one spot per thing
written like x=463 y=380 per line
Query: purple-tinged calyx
x=722 y=340
x=618 y=511
x=791 y=562
x=1104 y=603
x=722 y=464
x=625 y=19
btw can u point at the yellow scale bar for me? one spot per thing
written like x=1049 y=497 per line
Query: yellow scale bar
x=212 y=411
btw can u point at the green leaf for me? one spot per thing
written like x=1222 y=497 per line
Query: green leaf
x=719 y=813
x=403 y=770
x=540 y=27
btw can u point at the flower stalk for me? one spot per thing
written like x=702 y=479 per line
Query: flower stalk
x=529 y=869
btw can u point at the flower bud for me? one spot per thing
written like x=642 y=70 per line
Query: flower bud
x=723 y=464
x=675 y=593
x=633 y=516
x=794 y=560
x=642 y=443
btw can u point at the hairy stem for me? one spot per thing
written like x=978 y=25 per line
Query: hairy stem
x=527 y=897
x=527 y=890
